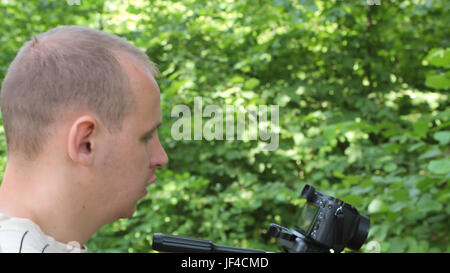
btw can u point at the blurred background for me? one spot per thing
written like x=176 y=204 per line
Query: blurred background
x=363 y=112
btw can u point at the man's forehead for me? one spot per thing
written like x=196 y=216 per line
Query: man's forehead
x=144 y=89
x=136 y=71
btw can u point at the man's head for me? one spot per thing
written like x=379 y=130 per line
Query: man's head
x=78 y=105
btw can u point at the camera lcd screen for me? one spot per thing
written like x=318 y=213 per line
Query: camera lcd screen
x=306 y=217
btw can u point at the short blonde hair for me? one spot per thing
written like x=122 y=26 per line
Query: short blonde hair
x=62 y=70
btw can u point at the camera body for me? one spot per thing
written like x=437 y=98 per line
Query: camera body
x=329 y=223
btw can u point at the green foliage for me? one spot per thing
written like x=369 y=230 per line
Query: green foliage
x=441 y=58
x=364 y=113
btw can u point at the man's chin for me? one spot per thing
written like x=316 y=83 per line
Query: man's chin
x=127 y=214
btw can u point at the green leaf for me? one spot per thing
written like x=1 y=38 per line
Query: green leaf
x=439 y=57
x=440 y=166
x=298 y=138
x=427 y=183
x=398 y=206
x=390 y=167
x=428 y=205
x=282 y=100
x=437 y=81
x=443 y=137
x=433 y=152
x=252 y=83
x=398 y=245
x=376 y=205
x=401 y=195
x=338 y=174
x=237 y=79
x=420 y=128
x=354 y=199
x=444 y=197
x=415 y=146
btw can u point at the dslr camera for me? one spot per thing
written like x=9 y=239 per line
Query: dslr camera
x=322 y=224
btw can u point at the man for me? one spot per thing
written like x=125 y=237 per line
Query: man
x=80 y=109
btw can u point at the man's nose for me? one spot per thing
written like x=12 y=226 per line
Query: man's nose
x=159 y=155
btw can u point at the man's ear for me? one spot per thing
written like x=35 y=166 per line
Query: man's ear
x=81 y=141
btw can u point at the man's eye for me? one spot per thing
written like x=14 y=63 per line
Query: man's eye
x=147 y=138
x=150 y=137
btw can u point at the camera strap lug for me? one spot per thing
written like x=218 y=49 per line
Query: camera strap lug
x=339 y=214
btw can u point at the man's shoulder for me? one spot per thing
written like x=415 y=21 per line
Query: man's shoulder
x=19 y=235
x=17 y=240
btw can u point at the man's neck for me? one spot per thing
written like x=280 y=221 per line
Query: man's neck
x=55 y=209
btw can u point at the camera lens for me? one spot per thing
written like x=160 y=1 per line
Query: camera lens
x=361 y=233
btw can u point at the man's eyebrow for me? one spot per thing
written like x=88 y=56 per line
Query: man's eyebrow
x=149 y=132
